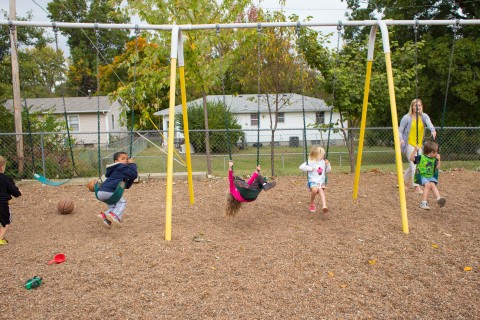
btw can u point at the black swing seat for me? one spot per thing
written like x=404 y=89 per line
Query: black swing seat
x=247 y=191
x=115 y=197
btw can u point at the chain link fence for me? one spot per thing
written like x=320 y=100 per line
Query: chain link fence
x=49 y=154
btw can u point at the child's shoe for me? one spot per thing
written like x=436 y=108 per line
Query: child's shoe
x=325 y=209
x=441 y=202
x=112 y=217
x=268 y=185
x=424 y=205
x=3 y=241
x=104 y=219
x=312 y=208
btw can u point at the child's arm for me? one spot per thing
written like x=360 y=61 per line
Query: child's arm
x=414 y=153
x=305 y=167
x=438 y=161
x=328 y=167
x=12 y=188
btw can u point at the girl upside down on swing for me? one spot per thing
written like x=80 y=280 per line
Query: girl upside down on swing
x=244 y=191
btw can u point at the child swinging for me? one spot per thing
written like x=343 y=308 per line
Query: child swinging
x=244 y=191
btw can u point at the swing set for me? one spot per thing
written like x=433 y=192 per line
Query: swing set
x=177 y=59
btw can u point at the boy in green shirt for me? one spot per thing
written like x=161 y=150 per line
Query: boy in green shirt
x=427 y=165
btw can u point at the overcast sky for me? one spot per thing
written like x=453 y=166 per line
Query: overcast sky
x=320 y=10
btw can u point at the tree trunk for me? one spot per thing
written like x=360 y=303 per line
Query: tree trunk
x=272 y=153
x=207 y=135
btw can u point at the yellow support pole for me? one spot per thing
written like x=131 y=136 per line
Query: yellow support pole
x=362 y=129
x=181 y=65
x=171 y=132
x=396 y=136
x=366 y=91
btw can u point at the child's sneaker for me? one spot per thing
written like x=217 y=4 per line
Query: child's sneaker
x=3 y=241
x=112 y=217
x=325 y=209
x=268 y=185
x=441 y=202
x=312 y=208
x=104 y=219
x=424 y=205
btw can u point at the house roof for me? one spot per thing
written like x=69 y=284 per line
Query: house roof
x=72 y=104
x=248 y=103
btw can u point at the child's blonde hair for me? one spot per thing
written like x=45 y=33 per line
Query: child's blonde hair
x=233 y=205
x=3 y=161
x=317 y=153
x=414 y=103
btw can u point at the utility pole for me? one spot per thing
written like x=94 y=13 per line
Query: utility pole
x=17 y=105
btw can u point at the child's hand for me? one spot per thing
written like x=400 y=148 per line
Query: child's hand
x=438 y=157
x=327 y=162
x=258 y=168
x=130 y=160
x=230 y=164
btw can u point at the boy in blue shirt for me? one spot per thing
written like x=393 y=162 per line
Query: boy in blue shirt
x=428 y=164
x=122 y=169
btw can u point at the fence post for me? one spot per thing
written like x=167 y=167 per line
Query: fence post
x=283 y=161
x=340 y=159
x=43 y=155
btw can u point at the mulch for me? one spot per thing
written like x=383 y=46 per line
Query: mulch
x=274 y=260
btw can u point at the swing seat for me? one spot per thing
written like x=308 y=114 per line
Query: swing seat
x=115 y=197
x=48 y=182
x=417 y=178
x=248 y=192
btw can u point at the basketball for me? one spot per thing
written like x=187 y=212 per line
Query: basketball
x=65 y=206
x=90 y=185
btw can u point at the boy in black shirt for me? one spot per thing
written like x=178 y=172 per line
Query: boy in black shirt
x=7 y=190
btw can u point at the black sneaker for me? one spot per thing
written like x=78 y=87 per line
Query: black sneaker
x=269 y=185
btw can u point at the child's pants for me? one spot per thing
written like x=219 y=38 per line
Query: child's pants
x=116 y=208
x=410 y=172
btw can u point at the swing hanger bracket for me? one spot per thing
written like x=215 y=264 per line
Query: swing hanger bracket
x=339 y=25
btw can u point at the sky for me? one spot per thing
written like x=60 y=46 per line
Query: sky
x=320 y=10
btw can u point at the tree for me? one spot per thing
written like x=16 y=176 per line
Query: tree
x=219 y=118
x=29 y=40
x=277 y=69
x=82 y=42
x=141 y=69
x=201 y=46
x=464 y=93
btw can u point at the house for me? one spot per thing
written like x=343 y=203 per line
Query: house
x=290 y=117
x=82 y=116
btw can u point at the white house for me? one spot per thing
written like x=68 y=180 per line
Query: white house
x=290 y=116
x=82 y=116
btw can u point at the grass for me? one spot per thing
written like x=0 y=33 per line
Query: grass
x=286 y=162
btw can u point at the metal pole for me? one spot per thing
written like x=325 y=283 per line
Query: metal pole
x=43 y=154
x=17 y=106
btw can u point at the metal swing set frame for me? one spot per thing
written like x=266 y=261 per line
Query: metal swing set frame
x=177 y=60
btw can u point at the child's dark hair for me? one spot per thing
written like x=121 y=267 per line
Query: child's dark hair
x=430 y=146
x=116 y=155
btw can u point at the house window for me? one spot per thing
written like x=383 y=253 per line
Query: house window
x=281 y=117
x=254 y=119
x=319 y=117
x=73 y=123
x=113 y=122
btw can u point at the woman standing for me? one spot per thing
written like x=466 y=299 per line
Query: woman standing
x=412 y=134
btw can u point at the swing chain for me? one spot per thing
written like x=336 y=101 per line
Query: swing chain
x=97 y=35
